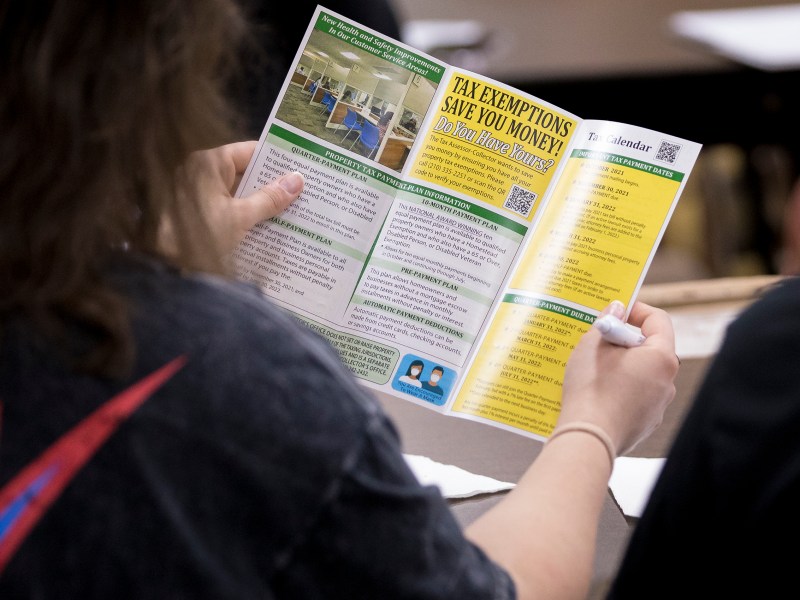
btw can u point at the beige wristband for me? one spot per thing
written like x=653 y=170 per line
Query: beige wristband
x=591 y=429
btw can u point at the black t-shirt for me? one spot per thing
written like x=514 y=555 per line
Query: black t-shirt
x=253 y=467
x=723 y=517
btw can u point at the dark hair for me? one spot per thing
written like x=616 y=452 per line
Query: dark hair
x=414 y=363
x=102 y=103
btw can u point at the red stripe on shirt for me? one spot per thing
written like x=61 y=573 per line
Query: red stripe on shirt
x=68 y=454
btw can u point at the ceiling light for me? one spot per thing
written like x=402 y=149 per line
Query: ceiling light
x=765 y=37
x=428 y=34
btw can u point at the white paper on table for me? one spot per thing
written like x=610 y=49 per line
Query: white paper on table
x=632 y=480
x=453 y=481
x=700 y=335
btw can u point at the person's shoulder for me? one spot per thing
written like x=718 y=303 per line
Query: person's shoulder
x=249 y=362
x=230 y=329
x=774 y=311
x=206 y=302
x=780 y=290
x=760 y=345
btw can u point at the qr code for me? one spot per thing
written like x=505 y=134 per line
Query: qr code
x=668 y=152
x=520 y=200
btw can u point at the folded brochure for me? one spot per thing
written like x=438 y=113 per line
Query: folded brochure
x=455 y=257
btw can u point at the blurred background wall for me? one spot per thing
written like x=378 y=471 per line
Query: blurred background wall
x=622 y=60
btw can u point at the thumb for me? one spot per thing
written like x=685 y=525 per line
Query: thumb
x=270 y=200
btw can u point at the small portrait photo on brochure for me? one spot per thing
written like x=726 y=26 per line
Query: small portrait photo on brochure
x=423 y=379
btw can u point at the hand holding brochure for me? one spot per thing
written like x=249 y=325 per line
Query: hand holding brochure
x=455 y=236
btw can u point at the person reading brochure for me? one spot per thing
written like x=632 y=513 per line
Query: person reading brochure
x=168 y=432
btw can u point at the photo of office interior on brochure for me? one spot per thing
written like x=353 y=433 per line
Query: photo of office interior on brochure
x=355 y=100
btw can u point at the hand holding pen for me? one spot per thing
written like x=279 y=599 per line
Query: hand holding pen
x=622 y=391
x=616 y=331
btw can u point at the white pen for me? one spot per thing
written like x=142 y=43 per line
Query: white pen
x=617 y=332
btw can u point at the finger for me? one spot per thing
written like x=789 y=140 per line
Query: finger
x=270 y=200
x=217 y=169
x=640 y=312
x=616 y=308
x=657 y=326
x=241 y=153
x=654 y=322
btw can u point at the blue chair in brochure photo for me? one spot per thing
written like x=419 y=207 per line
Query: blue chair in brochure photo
x=351 y=122
x=326 y=98
x=330 y=104
x=370 y=138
